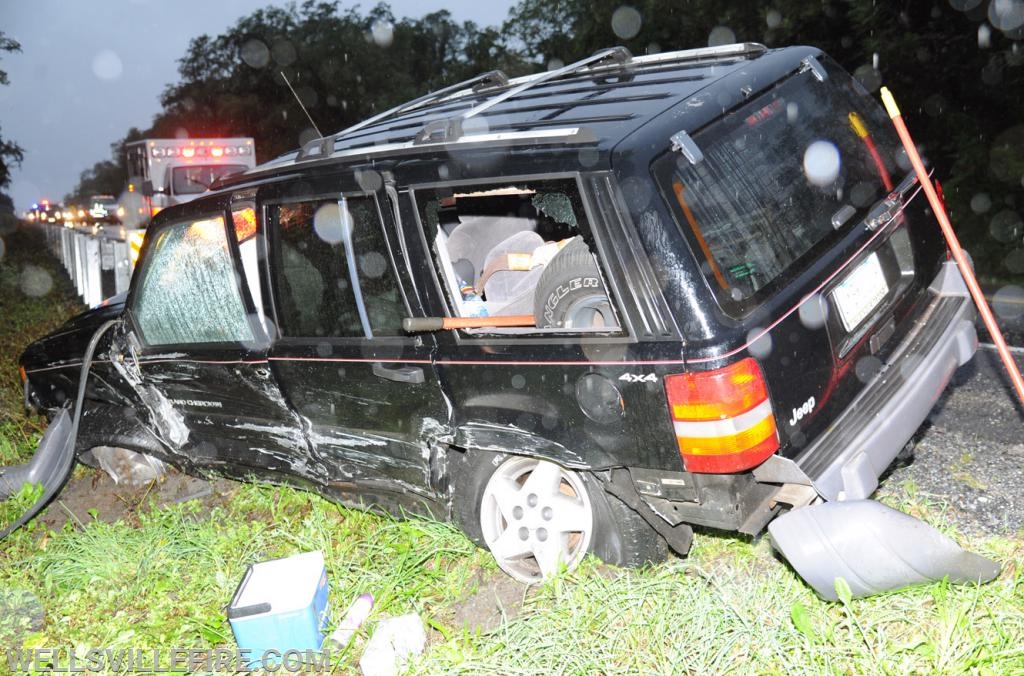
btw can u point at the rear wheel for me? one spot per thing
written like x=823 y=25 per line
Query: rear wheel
x=536 y=516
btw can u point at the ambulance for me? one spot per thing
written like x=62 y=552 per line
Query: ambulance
x=165 y=172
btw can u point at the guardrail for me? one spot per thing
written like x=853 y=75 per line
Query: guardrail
x=97 y=260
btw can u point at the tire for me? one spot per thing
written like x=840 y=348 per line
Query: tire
x=535 y=516
x=570 y=292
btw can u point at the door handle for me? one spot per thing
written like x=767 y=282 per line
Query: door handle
x=400 y=374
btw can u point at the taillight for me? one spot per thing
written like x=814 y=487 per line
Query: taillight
x=723 y=418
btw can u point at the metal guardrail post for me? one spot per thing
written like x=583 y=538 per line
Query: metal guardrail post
x=93 y=292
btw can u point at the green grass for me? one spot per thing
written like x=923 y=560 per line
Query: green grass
x=163 y=578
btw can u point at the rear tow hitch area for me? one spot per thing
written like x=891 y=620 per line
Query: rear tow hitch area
x=872 y=547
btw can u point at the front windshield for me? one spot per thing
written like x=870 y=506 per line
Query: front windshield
x=198 y=178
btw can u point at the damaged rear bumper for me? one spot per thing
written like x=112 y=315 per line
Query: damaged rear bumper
x=844 y=463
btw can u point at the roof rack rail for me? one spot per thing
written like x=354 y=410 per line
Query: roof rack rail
x=451 y=128
x=321 y=147
x=701 y=53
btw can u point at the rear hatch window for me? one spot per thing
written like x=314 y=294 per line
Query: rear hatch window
x=781 y=179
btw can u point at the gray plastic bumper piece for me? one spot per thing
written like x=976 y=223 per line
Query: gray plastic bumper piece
x=50 y=466
x=844 y=463
x=872 y=547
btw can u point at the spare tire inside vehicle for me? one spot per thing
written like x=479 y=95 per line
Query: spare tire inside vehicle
x=570 y=293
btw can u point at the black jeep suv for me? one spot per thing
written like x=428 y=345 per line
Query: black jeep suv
x=580 y=311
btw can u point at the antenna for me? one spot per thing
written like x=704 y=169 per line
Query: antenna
x=308 y=117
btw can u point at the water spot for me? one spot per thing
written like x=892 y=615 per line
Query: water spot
x=284 y=53
x=1014 y=262
x=307 y=95
x=555 y=63
x=910 y=366
x=869 y=77
x=518 y=381
x=935 y=105
x=341 y=372
x=373 y=264
x=792 y=112
x=369 y=180
x=862 y=194
x=2 y=249
x=867 y=368
x=475 y=125
x=106 y=65
x=759 y=343
x=981 y=203
x=1006 y=15
x=255 y=54
x=965 y=5
x=653 y=48
x=23 y=614
x=902 y=161
x=382 y=32
x=588 y=157
x=306 y=135
x=773 y=18
x=598 y=352
x=1008 y=302
x=443 y=172
x=324 y=350
x=626 y=22
x=984 y=36
x=821 y=163
x=180 y=133
x=638 y=192
x=1006 y=226
x=35 y=282
x=814 y=312
x=332 y=223
x=721 y=35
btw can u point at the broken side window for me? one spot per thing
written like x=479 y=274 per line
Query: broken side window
x=189 y=291
x=518 y=250
x=332 y=274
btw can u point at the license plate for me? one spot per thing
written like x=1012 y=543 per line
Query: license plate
x=858 y=294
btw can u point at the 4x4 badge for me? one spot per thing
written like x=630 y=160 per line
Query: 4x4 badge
x=639 y=378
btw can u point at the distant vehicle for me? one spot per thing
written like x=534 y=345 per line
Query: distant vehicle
x=165 y=172
x=103 y=209
x=45 y=211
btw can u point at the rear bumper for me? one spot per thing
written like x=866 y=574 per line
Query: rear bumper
x=845 y=462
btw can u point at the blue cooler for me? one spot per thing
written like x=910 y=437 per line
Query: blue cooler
x=281 y=605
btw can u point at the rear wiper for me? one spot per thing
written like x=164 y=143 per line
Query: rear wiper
x=889 y=206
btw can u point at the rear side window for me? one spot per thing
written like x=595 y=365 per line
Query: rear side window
x=332 y=274
x=521 y=252
x=189 y=291
x=780 y=177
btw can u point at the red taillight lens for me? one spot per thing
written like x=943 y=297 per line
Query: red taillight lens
x=723 y=418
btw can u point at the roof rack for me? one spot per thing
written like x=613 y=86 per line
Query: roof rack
x=451 y=128
x=319 y=147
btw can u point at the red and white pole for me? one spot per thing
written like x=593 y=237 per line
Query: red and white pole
x=954 y=243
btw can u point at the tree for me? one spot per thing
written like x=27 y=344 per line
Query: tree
x=106 y=177
x=11 y=153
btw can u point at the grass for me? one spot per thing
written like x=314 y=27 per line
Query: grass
x=162 y=578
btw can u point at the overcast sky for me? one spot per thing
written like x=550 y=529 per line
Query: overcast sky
x=90 y=70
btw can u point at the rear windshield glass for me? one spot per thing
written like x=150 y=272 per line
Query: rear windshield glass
x=781 y=176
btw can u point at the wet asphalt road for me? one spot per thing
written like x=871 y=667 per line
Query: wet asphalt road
x=970 y=453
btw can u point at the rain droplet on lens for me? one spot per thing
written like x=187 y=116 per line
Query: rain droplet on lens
x=721 y=35
x=1006 y=15
x=984 y=36
x=1008 y=302
x=813 y=312
x=821 y=163
x=626 y=22
x=555 y=63
x=867 y=368
x=106 y=65
x=759 y=343
x=773 y=18
x=981 y=203
x=382 y=32
x=518 y=381
x=869 y=77
x=330 y=224
x=255 y=54
x=1006 y=226
x=2 y=249
x=35 y=282
x=284 y=53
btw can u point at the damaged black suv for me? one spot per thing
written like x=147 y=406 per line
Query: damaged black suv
x=579 y=311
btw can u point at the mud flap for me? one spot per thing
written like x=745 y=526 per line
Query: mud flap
x=50 y=466
x=872 y=547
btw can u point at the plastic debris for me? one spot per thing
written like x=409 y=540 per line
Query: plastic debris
x=393 y=643
x=354 y=618
x=128 y=466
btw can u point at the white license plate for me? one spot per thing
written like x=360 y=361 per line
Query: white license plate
x=858 y=294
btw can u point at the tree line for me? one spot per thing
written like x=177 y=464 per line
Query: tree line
x=955 y=67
